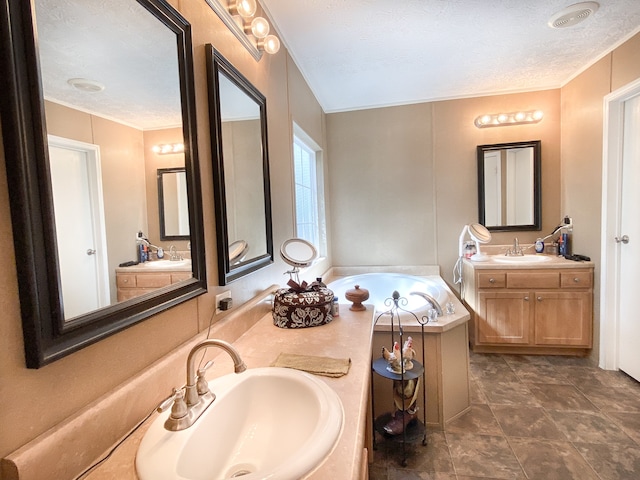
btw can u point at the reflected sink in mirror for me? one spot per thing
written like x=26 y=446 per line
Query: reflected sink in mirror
x=271 y=422
x=168 y=264
x=522 y=259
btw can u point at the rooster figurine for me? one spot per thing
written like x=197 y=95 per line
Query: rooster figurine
x=393 y=358
x=408 y=353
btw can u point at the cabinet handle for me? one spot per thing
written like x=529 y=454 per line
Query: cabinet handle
x=539 y=299
x=492 y=280
x=576 y=280
x=526 y=299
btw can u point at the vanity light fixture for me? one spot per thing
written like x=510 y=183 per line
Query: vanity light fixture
x=253 y=34
x=259 y=28
x=512 y=118
x=244 y=8
x=168 y=148
x=270 y=44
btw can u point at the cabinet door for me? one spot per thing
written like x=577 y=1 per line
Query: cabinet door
x=503 y=318
x=563 y=318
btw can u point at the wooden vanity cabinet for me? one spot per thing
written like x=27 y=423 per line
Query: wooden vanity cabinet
x=134 y=284
x=546 y=311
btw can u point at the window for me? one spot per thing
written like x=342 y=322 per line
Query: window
x=309 y=200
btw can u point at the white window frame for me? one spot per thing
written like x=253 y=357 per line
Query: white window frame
x=304 y=141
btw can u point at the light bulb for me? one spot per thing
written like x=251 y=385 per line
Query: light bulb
x=270 y=44
x=520 y=117
x=259 y=27
x=503 y=117
x=538 y=114
x=244 y=8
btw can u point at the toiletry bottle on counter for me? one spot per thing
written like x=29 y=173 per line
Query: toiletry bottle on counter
x=335 y=308
x=562 y=248
x=566 y=244
x=539 y=245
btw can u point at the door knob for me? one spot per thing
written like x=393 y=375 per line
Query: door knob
x=91 y=251
x=624 y=239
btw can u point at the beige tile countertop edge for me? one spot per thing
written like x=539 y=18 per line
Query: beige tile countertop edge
x=347 y=336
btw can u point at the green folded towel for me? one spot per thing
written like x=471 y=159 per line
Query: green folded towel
x=329 y=367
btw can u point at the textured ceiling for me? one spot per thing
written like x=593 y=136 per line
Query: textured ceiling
x=119 y=44
x=367 y=53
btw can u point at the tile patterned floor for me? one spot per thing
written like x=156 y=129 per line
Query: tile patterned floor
x=532 y=417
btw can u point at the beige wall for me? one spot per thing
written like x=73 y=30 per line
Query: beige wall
x=153 y=162
x=32 y=401
x=582 y=142
x=123 y=177
x=403 y=180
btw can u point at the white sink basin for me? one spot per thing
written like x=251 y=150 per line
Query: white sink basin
x=521 y=259
x=271 y=422
x=167 y=264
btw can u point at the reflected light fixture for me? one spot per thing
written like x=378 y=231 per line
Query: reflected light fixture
x=504 y=119
x=168 y=148
x=86 y=85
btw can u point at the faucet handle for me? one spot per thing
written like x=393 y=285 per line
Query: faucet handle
x=177 y=403
x=201 y=384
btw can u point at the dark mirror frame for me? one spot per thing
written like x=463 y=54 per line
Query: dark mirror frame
x=537 y=190
x=47 y=337
x=216 y=65
x=161 y=212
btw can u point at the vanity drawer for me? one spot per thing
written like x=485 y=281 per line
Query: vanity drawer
x=180 y=276
x=533 y=279
x=492 y=280
x=576 y=280
x=126 y=280
x=153 y=280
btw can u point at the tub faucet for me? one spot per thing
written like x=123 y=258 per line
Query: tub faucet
x=434 y=303
x=190 y=404
x=516 y=250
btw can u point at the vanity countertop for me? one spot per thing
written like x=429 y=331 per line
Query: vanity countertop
x=347 y=336
x=551 y=261
x=158 y=266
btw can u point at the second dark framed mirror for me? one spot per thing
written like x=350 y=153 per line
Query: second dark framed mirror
x=509 y=191
x=238 y=118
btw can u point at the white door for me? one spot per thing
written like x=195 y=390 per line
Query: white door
x=629 y=241
x=79 y=222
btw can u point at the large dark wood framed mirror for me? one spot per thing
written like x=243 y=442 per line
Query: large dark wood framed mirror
x=85 y=86
x=238 y=118
x=509 y=192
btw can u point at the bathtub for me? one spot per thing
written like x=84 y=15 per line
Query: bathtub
x=382 y=285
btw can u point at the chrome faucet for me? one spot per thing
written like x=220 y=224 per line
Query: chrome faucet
x=189 y=404
x=434 y=303
x=516 y=250
x=173 y=254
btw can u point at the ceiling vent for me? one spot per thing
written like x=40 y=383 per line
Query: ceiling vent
x=573 y=14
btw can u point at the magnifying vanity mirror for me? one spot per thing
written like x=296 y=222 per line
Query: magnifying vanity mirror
x=238 y=118
x=80 y=108
x=509 y=195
